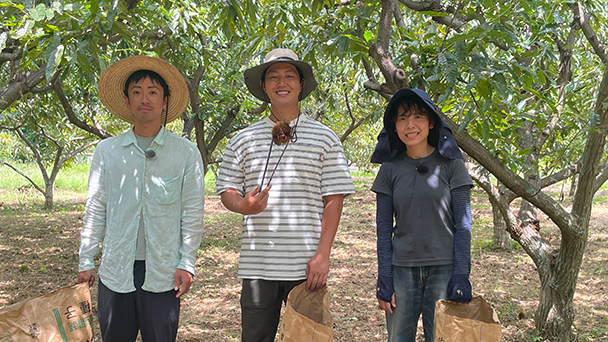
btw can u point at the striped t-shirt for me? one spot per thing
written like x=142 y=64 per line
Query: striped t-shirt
x=278 y=242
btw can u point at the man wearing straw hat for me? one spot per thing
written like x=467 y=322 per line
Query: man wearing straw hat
x=287 y=174
x=145 y=200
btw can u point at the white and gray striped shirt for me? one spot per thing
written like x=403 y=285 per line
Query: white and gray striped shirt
x=278 y=242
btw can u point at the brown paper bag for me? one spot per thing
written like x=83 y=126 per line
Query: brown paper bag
x=307 y=317
x=64 y=315
x=475 y=321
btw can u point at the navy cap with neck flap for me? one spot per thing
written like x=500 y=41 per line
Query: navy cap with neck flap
x=389 y=144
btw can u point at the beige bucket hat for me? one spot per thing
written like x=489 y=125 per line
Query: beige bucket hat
x=253 y=76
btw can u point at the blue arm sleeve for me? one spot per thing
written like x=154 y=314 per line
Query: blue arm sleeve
x=384 y=224
x=459 y=287
x=461 y=209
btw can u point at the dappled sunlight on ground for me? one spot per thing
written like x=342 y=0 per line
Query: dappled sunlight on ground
x=39 y=253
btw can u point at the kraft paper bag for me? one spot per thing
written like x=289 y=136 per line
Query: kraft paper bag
x=307 y=317
x=64 y=315
x=475 y=321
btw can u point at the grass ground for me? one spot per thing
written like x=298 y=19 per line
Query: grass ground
x=39 y=253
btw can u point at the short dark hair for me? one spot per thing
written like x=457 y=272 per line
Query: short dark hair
x=142 y=74
x=263 y=79
x=412 y=105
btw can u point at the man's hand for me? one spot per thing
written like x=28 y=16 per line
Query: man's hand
x=254 y=201
x=86 y=277
x=316 y=272
x=184 y=278
x=386 y=306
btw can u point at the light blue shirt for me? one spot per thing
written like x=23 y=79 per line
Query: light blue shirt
x=167 y=190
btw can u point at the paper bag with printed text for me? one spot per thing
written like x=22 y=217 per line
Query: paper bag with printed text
x=64 y=315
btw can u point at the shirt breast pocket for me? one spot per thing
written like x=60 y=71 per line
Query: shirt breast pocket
x=166 y=190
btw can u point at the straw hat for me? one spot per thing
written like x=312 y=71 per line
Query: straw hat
x=253 y=76
x=112 y=84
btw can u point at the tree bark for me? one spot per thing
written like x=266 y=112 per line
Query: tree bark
x=49 y=189
x=555 y=312
x=500 y=236
x=15 y=90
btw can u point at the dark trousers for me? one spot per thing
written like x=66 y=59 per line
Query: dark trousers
x=261 y=302
x=122 y=315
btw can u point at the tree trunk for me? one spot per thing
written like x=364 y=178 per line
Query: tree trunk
x=528 y=215
x=501 y=237
x=199 y=132
x=572 y=186
x=49 y=187
x=555 y=313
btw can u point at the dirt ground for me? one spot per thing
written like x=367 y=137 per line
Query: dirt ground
x=39 y=253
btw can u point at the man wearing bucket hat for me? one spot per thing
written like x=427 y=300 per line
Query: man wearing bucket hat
x=287 y=174
x=145 y=200
x=424 y=187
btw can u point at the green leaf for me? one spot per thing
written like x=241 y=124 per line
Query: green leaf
x=470 y=85
x=38 y=13
x=367 y=35
x=122 y=29
x=317 y=5
x=521 y=106
x=3 y=38
x=525 y=4
x=443 y=62
x=485 y=130
x=528 y=81
x=467 y=118
x=444 y=95
x=54 y=62
x=541 y=77
x=24 y=30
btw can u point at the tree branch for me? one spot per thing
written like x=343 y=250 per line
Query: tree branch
x=538 y=249
x=24 y=176
x=71 y=115
x=36 y=153
x=221 y=132
x=592 y=153
x=435 y=6
x=353 y=122
x=601 y=178
x=21 y=86
x=534 y=195
x=394 y=77
x=561 y=175
x=582 y=18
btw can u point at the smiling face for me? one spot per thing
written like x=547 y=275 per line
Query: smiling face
x=282 y=84
x=413 y=126
x=146 y=102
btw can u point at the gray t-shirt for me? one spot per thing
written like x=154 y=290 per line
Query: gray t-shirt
x=424 y=231
x=140 y=251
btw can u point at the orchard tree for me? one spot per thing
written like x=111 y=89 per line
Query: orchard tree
x=38 y=45
x=524 y=86
x=46 y=141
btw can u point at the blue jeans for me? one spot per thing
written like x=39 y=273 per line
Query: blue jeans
x=416 y=291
